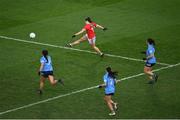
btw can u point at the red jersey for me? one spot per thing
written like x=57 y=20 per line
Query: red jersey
x=90 y=30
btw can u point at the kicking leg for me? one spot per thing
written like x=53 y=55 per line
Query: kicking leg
x=82 y=39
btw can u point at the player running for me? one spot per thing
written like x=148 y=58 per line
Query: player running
x=90 y=35
x=109 y=84
x=150 y=61
x=46 y=71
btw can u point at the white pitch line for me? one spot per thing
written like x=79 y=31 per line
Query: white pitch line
x=82 y=90
x=79 y=50
x=156 y=70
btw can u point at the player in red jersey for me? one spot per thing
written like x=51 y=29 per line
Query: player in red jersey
x=90 y=35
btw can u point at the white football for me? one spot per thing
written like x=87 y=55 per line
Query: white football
x=32 y=35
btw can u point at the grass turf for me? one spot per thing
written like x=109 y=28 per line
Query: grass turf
x=130 y=23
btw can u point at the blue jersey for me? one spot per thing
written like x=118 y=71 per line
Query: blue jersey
x=149 y=51
x=110 y=84
x=47 y=64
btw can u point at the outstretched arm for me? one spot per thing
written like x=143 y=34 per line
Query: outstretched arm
x=78 y=33
x=101 y=27
x=102 y=85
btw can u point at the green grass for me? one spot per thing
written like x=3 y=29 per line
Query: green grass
x=129 y=22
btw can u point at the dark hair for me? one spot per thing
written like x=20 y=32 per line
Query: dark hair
x=45 y=53
x=88 y=19
x=151 y=41
x=111 y=73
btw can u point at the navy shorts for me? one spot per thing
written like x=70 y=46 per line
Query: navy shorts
x=149 y=64
x=109 y=94
x=46 y=73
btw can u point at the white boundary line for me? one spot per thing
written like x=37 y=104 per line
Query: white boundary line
x=74 y=49
x=82 y=90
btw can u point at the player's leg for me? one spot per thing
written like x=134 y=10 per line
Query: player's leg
x=92 y=42
x=114 y=104
x=41 y=84
x=52 y=80
x=148 y=71
x=96 y=48
x=109 y=104
x=82 y=39
x=42 y=81
x=152 y=76
x=107 y=99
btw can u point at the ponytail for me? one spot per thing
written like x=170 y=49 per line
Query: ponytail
x=45 y=54
x=111 y=73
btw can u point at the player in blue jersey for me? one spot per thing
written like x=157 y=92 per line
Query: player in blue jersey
x=109 y=85
x=150 y=61
x=46 y=71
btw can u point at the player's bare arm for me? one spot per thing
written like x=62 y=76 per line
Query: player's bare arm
x=101 y=27
x=80 y=32
x=102 y=85
x=41 y=67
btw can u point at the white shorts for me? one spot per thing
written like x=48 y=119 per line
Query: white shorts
x=91 y=41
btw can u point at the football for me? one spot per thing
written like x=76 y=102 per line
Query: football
x=32 y=35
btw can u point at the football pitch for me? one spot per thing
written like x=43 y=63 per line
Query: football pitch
x=129 y=23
